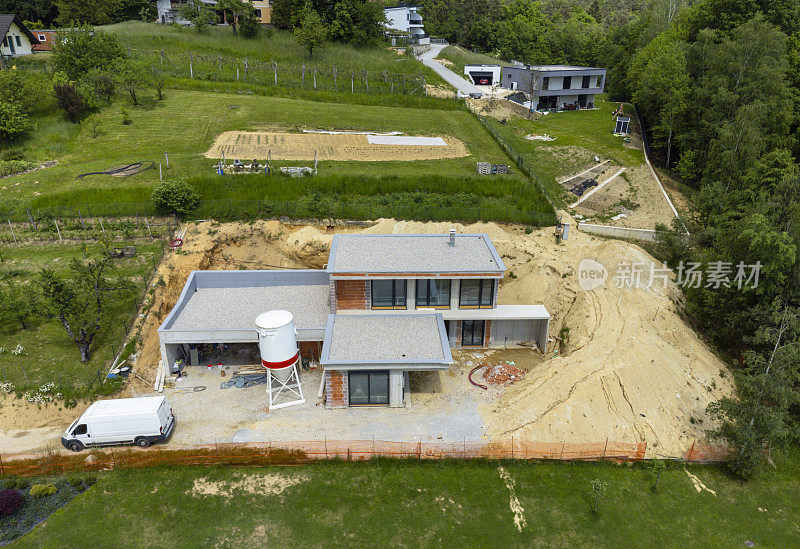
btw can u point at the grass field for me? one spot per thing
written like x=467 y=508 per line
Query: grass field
x=280 y=46
x=50 y=355
x=579 y=135
x=411 y=504
x=460 y=58
x=185 y=124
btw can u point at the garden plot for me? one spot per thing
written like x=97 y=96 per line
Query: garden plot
x=279 y=145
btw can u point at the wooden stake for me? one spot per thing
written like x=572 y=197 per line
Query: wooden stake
x=12 y=230
x=58 y=230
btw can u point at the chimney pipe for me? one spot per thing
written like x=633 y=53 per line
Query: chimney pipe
x=452 y=237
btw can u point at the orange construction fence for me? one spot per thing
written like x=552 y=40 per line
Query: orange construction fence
x=293 y=453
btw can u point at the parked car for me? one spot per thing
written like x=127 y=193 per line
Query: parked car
x=476 y=95
x=483 y=81
x=140 y=421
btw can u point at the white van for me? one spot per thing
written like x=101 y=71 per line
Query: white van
x=139 y=421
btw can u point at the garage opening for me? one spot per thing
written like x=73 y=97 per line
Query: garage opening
x=482 y=78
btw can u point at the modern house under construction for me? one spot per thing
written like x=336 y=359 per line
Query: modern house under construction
x=385 y=305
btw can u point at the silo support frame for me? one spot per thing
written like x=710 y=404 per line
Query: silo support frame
x=292 y=387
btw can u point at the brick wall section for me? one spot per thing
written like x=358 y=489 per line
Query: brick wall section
x=336 y=389
x=487 y=333
x=351 y=294
x=310 y=350
x=332 y=296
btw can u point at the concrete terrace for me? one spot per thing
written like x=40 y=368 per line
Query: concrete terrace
x=406 y=253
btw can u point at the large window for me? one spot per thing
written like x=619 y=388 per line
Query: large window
x=476 y=294
x=388 y=294
x=585 y=83
x=546 y=83
x=567 y=82
x=472 y=333
x=433 y=293
x=368 y=388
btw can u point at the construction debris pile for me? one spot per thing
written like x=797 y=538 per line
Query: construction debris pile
x=503 y=374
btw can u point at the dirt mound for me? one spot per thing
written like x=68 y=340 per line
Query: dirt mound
x=630 y=367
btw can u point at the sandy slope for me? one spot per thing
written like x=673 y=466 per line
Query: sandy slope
x=632 y=369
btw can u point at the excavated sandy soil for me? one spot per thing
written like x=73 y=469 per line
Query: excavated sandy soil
x=631 y=368
x=303 y=146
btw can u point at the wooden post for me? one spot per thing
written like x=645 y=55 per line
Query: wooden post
x=160 y=178
x=352 y=84
x=12 y=230
x=191 y=69
x=366 y=80
x=58 y=230
x=81 y=219
x=245 y=68
x=334 y=79
x=161 y=56
x=31 y=219
x=237 y=73
x=315 y=79
x=149 y=231
x=605 y=448
x=303 y=75
x=275 y=70
x=101 y=226
x=166 y=157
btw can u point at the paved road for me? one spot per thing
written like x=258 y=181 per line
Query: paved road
x=459 y=83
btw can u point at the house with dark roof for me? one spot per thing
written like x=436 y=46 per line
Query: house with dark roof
x=384 y=305
x=17 y=39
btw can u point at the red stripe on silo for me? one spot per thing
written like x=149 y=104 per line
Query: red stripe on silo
x=281 y=364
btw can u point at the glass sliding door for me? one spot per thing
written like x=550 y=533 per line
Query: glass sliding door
x=472 y=333
x=368 y=388
x=388 y=294
x=433 y=293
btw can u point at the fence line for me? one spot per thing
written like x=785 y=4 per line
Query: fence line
x=299 y=452
x=271 y=73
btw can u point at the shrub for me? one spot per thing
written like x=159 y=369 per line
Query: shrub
x=90 y=480
x=75 y=481
x=10 y=501
x=42 y=490
x=71 y=101
x=16 y=483
x=175 y=196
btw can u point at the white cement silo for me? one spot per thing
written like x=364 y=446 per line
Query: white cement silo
x=277 y=344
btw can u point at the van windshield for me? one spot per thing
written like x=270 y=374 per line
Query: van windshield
x=71 y=425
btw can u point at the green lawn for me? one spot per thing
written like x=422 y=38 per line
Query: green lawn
x=411 y=504
x=50 y=355
x=186 y=123
x=578 y=135
x=460 y=58
x=280 y=46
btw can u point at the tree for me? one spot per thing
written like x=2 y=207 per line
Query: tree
x=31 y=10
x=78 y=51
x=760 y=418
x=133 y=76
x=243 y=17
x=17 y=306
x=88 y=12
x=286 y=14
x=357 y=22
x=311 y=33
x=175 y=196
x=198 y=13
x=13 y=121
x=20 y=95
x=82 y=298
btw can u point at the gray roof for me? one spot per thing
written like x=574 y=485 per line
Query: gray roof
x=386 y=340
x=413 y=253
x=231 y=300
x=5 y=23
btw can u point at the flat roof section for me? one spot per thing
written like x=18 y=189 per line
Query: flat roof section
x=231 y=300
x=413 y=253
x=398 y=340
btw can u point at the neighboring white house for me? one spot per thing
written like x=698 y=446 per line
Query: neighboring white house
x=483 y=75
x=556 y=87
x=408 y=20
x=17 y=39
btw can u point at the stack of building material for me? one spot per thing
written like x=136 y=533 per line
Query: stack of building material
x=503 y=374
x=484 y=168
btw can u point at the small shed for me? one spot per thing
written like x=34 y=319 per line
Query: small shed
x=622 y=126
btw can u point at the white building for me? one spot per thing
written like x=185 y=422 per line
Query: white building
x=408 y=20
x=17 y=39
x=556 y=87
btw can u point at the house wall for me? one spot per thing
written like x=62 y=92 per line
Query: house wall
x=14 y=33
x=398 y=18
x=352 y=294
x=336 y=389
x=266 y=11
